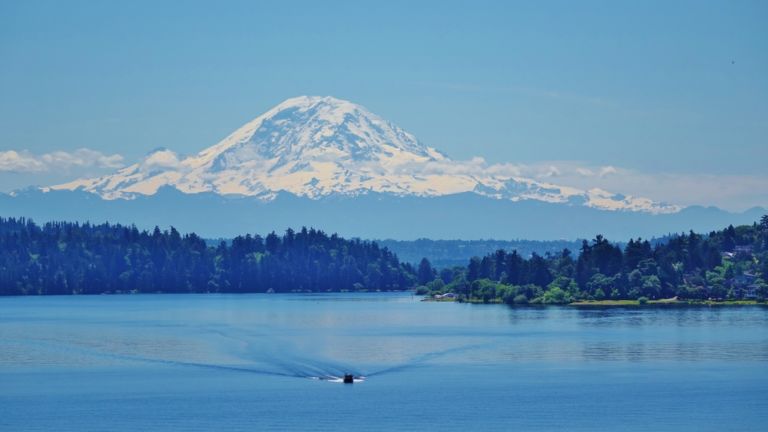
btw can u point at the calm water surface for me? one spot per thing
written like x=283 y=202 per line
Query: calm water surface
x=260 y=362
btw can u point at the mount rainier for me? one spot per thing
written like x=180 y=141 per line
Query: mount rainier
x=320 y=146
x=332 y=164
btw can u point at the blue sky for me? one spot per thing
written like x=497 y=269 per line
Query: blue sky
x=665 y=92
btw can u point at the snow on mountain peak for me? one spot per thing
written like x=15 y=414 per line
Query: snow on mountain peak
x=304 y=126
x=316 y=146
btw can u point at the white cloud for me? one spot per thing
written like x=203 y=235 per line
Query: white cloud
x=58 y=161
x=735 y=192
x=551 y=171
x=607 y=170
x=12 y=160
x=164 y=159
x=731 y=192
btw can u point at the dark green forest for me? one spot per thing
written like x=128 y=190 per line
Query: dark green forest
x=72 y=258
x=731 y=264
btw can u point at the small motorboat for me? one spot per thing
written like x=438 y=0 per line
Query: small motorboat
x=349 y=379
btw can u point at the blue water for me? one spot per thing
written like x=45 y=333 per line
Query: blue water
x=268 y=362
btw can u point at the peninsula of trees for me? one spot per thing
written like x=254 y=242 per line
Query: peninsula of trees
x=731 y=264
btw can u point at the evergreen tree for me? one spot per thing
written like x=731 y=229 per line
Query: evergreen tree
x=425 y=274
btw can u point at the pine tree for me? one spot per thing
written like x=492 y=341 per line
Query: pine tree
x=425 y=274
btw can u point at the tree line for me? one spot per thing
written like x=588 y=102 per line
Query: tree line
x=722 y=265
x=448 y=253
x=72 y=258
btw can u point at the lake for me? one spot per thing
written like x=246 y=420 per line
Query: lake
x=269 y=362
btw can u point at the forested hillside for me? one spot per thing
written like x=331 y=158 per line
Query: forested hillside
x=447 y=253
x=728 y=264
x=71 y=258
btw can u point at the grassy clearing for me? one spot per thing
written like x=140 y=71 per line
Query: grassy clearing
x=735 y=303
x=442 y=299
x=606 y=303
x=668 y=302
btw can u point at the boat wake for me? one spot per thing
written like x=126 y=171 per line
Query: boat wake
x=340 y=380
x=261 y=360
x=423 y=359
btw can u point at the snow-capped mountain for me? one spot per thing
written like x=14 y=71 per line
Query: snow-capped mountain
x=321 y=146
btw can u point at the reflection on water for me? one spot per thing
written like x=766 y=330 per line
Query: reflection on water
x=316 y=333
x=416 y=357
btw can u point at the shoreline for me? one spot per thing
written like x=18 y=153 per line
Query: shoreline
x=618 y=303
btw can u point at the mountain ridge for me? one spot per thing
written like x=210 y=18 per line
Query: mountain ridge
x=465 y=216
x=316 y=146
